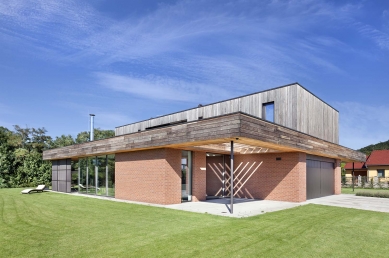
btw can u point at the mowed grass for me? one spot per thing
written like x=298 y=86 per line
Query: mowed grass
x=59 y=225
x=374 y=190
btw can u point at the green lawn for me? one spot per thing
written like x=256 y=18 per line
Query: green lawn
x=350 y=190
x=52 y=224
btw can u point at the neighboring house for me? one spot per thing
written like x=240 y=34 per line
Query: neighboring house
x=282 y=144
x=377 y=164
x=360 y=169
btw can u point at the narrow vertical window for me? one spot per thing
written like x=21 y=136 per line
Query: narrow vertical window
x=268 y=111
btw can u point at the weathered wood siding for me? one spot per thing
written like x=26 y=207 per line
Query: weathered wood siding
x=294 y=107
x=237 y=127
x=316 y=117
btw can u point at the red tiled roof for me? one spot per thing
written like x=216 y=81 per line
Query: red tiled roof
x=357 y=165
x=378 y=157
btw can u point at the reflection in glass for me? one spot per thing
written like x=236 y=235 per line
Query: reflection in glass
x=82 y=178
x=96 y=175
x=186 y=176
x=101 y=182
x=111 y=175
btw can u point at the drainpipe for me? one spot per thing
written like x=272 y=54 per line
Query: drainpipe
x=92 y=127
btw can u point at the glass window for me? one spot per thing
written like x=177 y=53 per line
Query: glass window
x=381 y=172
x=111 y=175
x=97 y=175
x=268 y=111
x=82 y=164
x=102 y=175
x=186 y=176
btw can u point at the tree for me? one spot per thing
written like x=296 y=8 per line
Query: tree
x=62 y=141
x=21 y=162
x=98 y=135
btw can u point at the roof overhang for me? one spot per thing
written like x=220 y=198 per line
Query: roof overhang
x=250 y=135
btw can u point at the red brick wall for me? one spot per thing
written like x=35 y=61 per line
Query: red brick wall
x=337 y=181
x=199 y=176
x=152 y=176
x=214 y=175
x=261 y=176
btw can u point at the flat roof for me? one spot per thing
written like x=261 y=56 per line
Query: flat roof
x=251 y=134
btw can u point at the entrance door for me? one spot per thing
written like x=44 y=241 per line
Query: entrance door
x=320 y=178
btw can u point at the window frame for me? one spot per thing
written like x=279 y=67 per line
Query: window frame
x=381 y=171
x=264 y=106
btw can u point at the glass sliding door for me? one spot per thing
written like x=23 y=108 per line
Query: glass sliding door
x=111 y=175
x=186 y=176
x=82 y=165
x=96 y=175
x=102 y=175
x=91 y=176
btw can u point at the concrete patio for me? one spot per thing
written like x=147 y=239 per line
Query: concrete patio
x=249 y=207
x=242 y=207
x=355 y=202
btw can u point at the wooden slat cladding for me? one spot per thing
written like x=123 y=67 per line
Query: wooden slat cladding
x=276 y=137
x=316 y=117
x=294 y=107
x=201 y=132
x=250 y=130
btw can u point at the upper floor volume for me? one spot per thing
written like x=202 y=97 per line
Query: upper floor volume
x=291 y=106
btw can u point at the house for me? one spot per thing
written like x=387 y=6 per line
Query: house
x=376 y=165
x=360 y=169
x=278 y=144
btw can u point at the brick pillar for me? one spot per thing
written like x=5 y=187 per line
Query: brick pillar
x=302 y=175
x=199 y=176
x=337 y=177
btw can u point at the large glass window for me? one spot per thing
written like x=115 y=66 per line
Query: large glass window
x=96 y=175
x=102 y=175
x=381 y=172
x=268 y=111
x=111 y=175
x=82 y=165
x=91 y=176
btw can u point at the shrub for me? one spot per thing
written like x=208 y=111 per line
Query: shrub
x=343 y=180
x=373 y=194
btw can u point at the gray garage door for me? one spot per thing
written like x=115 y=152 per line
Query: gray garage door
x=320 y=178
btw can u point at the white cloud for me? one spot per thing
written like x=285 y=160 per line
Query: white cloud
x=259 y=37
x=155 y=87
x=362 y=124
x=379 y=37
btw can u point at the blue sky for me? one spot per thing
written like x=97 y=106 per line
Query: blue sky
x=131 y=60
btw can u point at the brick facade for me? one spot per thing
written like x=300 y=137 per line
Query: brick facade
x=215 y=175
x=261 y=176
x=152 y=176
x=337 y=178
x=199 y=176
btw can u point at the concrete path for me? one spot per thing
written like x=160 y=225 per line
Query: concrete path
x=352 y=201
x=242 y=207
x=249 y=207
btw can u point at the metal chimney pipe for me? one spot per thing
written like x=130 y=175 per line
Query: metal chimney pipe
x=92 y=127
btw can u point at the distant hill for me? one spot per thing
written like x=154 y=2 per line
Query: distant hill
x=379 y=146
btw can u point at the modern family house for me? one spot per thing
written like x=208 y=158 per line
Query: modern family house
x=282 y=144
x=376 y=165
